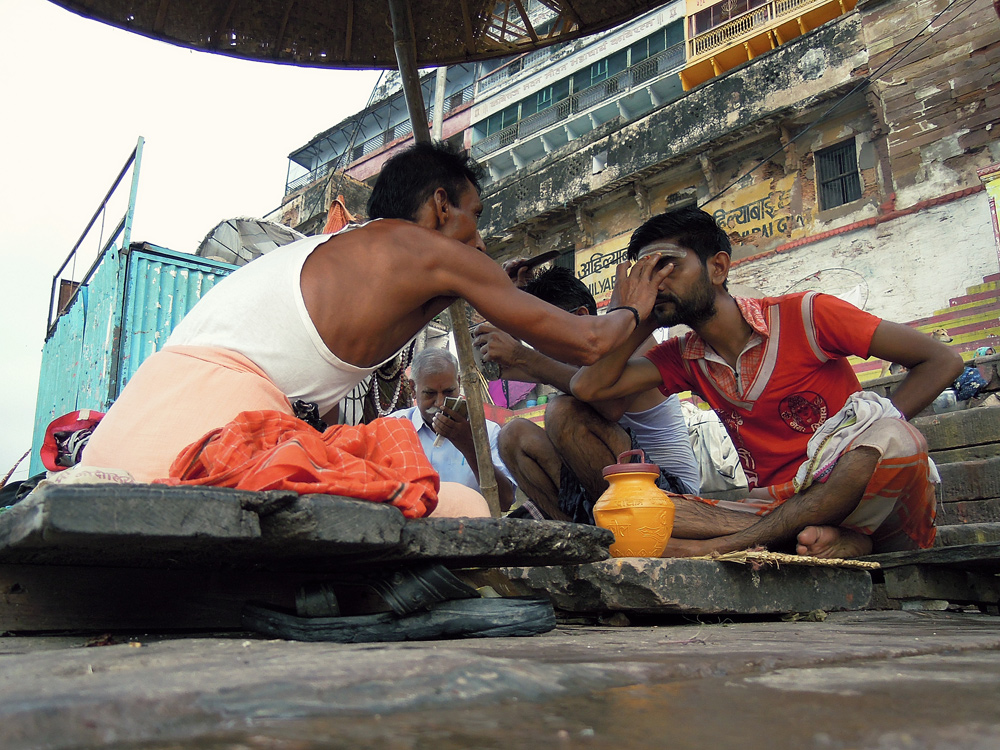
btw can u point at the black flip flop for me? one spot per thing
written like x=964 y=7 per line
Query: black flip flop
x=427 y=602
x=464 y=618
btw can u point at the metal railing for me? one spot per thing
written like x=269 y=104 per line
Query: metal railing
x=745 y=24
x=662 y=63
x=64 y=287
x=377 y=141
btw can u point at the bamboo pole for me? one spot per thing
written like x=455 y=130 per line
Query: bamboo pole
x=473 y=390
x=406 y=59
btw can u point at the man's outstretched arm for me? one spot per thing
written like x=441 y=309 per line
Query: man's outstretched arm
x=619 y=374
x=521 y=362
x=574 y=339
x=932 y=366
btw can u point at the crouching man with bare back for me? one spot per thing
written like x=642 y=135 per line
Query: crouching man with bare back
x=833 y=471
x=310 y=320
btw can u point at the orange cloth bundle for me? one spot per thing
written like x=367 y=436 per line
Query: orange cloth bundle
x=268 y=450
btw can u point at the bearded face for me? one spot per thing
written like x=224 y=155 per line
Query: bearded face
x=693 y=308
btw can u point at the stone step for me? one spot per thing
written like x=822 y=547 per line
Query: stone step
x=969 y=480
x=968 y=453
x=986 y=510
x=959 y=429
x=941 y=317
x=967 y=533
x=695 y=587
x=956 y=319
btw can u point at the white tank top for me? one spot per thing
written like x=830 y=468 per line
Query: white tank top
x=662 y=432
x=259 y=312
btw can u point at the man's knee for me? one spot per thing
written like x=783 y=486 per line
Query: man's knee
x=520 y=437
x=572 y=424
x=458 y=501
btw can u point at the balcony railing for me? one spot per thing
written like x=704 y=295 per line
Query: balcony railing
x=744 y=25
x=667 y=61
x=530 y=60
x=376 y=142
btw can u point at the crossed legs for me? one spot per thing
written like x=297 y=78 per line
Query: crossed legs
x=574 y=434
x=810 y=519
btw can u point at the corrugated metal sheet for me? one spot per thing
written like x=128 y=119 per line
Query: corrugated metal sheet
x=123 y=314
x=163 y=286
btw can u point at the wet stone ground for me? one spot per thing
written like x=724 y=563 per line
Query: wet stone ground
x=855 y=680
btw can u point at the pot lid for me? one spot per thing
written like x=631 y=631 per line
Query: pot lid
x=623 y=467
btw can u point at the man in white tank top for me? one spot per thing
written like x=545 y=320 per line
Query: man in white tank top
x=310 y=320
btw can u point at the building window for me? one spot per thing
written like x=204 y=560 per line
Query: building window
x=837 y=175
x=543 y=98
x=598 y=71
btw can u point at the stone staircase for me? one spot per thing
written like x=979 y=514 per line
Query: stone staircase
x=965 y=445
x=971 y=321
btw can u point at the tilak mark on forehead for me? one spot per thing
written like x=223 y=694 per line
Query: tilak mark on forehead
x=664 y=248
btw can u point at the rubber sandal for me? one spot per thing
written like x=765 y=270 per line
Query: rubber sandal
x=428 y=601
x=464 y=618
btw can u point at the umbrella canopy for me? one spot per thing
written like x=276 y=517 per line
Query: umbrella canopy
x=359 y=33
x=240 y=240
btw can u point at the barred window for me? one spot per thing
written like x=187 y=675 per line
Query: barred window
x=837 y=175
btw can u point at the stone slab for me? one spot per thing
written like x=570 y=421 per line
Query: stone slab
x=969 y=511
x=135 y=525
x=484 y=542
x=958 y=429
x=322 y=528
x=683 y=586
x=208 y=528
x=967 y=533
x=970 y=480
x=982 y=556
x=929 y=582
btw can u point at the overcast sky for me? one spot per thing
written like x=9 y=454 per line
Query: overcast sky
x=76 y=96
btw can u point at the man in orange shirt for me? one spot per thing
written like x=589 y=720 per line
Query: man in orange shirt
x=776 y=371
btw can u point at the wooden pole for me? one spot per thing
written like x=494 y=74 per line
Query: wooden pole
x=406 y=57
x=473 y=389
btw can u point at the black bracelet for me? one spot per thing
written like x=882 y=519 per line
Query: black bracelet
x=630 y=309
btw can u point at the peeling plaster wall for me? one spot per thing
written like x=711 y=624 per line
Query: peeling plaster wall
x=813 y=67
x=306 y=209
x=941 y=99
x=921 y=131
x=913 y=265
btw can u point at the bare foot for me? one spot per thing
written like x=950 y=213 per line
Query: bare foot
x=832 y=541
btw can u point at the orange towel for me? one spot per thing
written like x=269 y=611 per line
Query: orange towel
x=268 y=450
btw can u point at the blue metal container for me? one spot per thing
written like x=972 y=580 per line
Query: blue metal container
x=123 y=312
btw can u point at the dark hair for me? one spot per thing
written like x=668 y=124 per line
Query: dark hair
x=560 y=287
x=690 y=226
x=410 y=177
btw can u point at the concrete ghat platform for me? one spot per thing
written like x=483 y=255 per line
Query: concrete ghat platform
x=682 y=586
x=859 y=679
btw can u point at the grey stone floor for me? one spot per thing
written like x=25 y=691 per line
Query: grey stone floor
x=856 y=680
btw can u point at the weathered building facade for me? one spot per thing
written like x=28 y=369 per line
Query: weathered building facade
x=844 y=159
x=852 y=150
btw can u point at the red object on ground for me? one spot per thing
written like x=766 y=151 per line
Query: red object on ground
x=67 y=435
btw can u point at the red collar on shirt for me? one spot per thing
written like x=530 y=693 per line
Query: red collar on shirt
x=752 y=311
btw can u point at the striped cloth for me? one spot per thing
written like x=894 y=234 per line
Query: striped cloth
x=269 y=450
x=898 y=507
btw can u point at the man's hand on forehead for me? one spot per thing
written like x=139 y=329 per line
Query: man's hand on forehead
x=663 y=248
